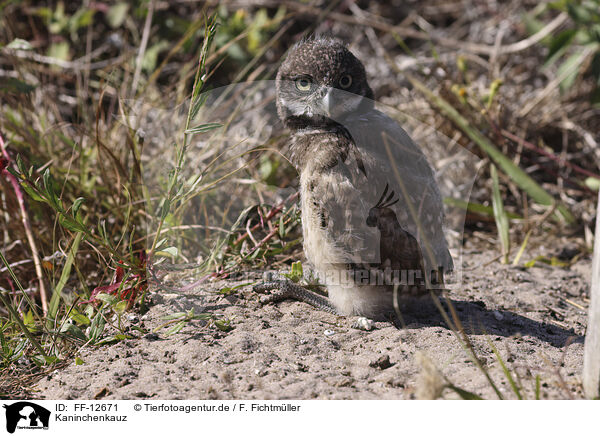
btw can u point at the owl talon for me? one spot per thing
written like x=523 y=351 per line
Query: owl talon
x=290 y=290
x=273 y=297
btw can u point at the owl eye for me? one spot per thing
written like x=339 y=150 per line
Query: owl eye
x=345 y=81
x=303 y=84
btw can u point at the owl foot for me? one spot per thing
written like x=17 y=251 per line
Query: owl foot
x=288 y=289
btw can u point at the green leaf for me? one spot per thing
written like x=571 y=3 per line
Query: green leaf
x=102 y=230
x=579 y=13
x=117 y=14
x=82 y=18
x=79 y=318
x=223 y=324
x=151 y=55
x=296 y=273
x=532 y=24
x=19 y=44
x=560 y=5
x=77 y=205
x=21 y=165
x=32 y=192
x=120 y=307
x=64 y=276
x=49 y=190
x=281 y=227
x=97 y=327
x=49 y=360
x=175 y=315
x=197 y=103
x=107 y=298
x=59 y=50
x=592 y=183
x=38 y=360
x=70 y=224
x=41 y=360
x=28 y=320
x=569 y=69
x=160 y=243
x=73 y=331
x=172 y=252
x=176 y=328
x=79 y=361
x=166 y=207
x=559 y=44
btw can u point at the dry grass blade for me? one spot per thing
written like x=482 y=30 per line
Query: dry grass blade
x=591 y=364
x=522 y=249
x=500 y=215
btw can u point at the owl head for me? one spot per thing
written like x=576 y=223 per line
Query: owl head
x=321 y=83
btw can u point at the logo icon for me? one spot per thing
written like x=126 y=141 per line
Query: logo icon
x=26 y=415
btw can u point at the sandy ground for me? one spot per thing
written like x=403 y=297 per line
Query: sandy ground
x=293 y=351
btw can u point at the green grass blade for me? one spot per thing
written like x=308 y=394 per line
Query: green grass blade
x=465 y=395
x=477 y=208
x=522 y=249
x=506 y=371
x=64 y=276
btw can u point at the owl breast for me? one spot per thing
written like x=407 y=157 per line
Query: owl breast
x=333 y=226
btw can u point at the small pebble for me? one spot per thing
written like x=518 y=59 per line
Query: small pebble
x=329 y=332
x=383 y=362
x=498 y=315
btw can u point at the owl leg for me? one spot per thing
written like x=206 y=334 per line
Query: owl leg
x=288 y=289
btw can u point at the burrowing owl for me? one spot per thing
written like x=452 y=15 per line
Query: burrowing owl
x=372 y=213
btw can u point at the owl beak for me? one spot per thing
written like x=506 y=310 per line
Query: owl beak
x=327 y=102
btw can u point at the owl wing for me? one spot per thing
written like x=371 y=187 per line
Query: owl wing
x=385 y=156
x=334 y=214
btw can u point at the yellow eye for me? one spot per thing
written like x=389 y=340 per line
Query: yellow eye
x=345 y=81
x=303 y=84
